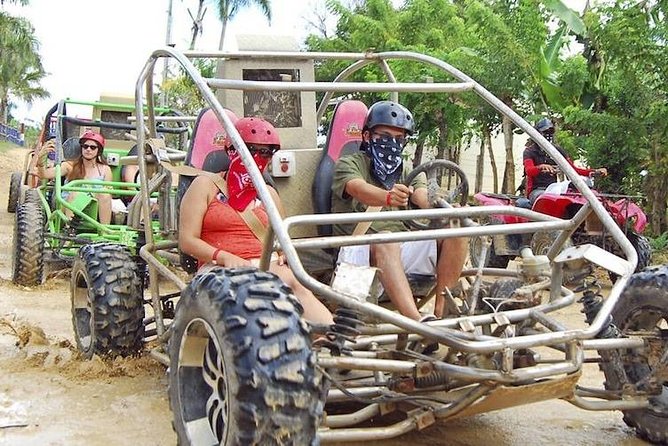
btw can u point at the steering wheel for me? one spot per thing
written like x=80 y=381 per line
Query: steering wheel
x=446 y=184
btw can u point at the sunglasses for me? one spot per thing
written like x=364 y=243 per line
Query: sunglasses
x=264 y=152
x=384 y=137
x=89 y=146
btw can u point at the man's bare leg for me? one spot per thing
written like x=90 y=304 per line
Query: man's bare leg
x=452 y=254
x=387 y=257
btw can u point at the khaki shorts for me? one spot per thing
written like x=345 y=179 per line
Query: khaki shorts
x=418 y=257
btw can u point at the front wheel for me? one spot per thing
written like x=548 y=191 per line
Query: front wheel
x=107 y=301
x=241 y=367
x=643 y=309
x=643 y=249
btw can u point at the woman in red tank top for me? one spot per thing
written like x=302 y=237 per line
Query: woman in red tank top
x=211 y=229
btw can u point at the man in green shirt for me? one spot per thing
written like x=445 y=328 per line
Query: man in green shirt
x=375 y=177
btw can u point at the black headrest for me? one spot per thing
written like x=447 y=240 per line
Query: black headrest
x=216 y=161
x=71 y=148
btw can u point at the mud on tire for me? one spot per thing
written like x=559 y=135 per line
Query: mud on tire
x=14 y=191
x=107 y=301
x=241 y=367
x=28 y=259
x=643 y=306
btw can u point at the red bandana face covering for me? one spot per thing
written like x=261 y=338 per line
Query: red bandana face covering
x=240 y=189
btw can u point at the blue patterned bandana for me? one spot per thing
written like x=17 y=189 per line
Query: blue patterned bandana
x=386 y=160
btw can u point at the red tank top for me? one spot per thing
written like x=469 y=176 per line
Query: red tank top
x=224 y=228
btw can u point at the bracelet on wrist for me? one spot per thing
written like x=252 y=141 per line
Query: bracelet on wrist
x=214 y=257
x=388 y=198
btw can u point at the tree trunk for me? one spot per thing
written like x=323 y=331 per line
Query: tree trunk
x=419 y=151
x=657 y=191
x=480 y=166
x=222 y=35
x=197 y=23
x=509 y=173
x=4 y=109
x=442 y=145
x=487 y=141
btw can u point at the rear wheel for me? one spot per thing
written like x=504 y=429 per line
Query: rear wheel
x=542 y=241
x=107 y=301
x=493 y=260
x=643 y=308
x=28 y=260
x=242 y=371
x=14 y=190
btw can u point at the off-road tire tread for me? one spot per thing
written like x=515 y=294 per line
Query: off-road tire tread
x=32 y=196
x=116 y=297
x=235 y=302
x=493 y=260
x=645 y=291
x=643 y=249
x=14 y=191
x=28 y=261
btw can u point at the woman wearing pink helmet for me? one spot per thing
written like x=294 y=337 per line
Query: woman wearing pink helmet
x=90 y=165
x=212 y=229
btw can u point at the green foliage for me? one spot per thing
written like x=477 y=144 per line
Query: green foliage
x=20 y=64
x=659 y=243
x=182 y=92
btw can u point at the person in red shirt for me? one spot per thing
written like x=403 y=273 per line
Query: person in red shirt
x=540 y=169
x=212 y=230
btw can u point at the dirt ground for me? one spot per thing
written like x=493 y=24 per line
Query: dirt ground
x=48 y=396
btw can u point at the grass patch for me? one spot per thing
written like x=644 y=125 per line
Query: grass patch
x=6 y=145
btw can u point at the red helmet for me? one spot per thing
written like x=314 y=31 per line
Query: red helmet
x=89 y=134
x=257 y=131
x=226 y=140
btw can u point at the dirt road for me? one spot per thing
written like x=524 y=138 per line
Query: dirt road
x=50 y=397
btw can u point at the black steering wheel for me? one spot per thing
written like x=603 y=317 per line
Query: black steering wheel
x=446 y=184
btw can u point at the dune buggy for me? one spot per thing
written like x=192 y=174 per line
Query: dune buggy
x=50 y=228
x=241 y=366
x=563 y=201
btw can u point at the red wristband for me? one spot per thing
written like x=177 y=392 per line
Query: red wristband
x=388 y=198
x=214 y=257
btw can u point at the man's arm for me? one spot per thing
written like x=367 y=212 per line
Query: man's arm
x=372 y=195
x=585 y=171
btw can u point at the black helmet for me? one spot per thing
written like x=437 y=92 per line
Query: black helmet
x=391 y=114
x=543 y=125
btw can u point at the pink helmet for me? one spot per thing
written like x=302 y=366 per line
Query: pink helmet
x=257 y=131
x=94 y=136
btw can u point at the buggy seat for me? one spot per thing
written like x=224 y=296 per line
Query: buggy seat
x=205 y=152
x=343 y=138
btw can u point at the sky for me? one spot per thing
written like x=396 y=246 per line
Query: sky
x=90 y=47
x=94 y=46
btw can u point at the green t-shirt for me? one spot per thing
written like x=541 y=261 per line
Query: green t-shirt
x=355 y=166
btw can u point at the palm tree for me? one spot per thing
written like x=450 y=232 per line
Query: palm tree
x=227 y=9
x=20 y=64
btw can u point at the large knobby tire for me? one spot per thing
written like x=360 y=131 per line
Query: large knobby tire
x=542 y=241
x=241 y=368
x=14 y=190
x=107 y=301
x=643 y=249
x=493 y=260
x=643 y=306
x=28 y=260
x=32 y=196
